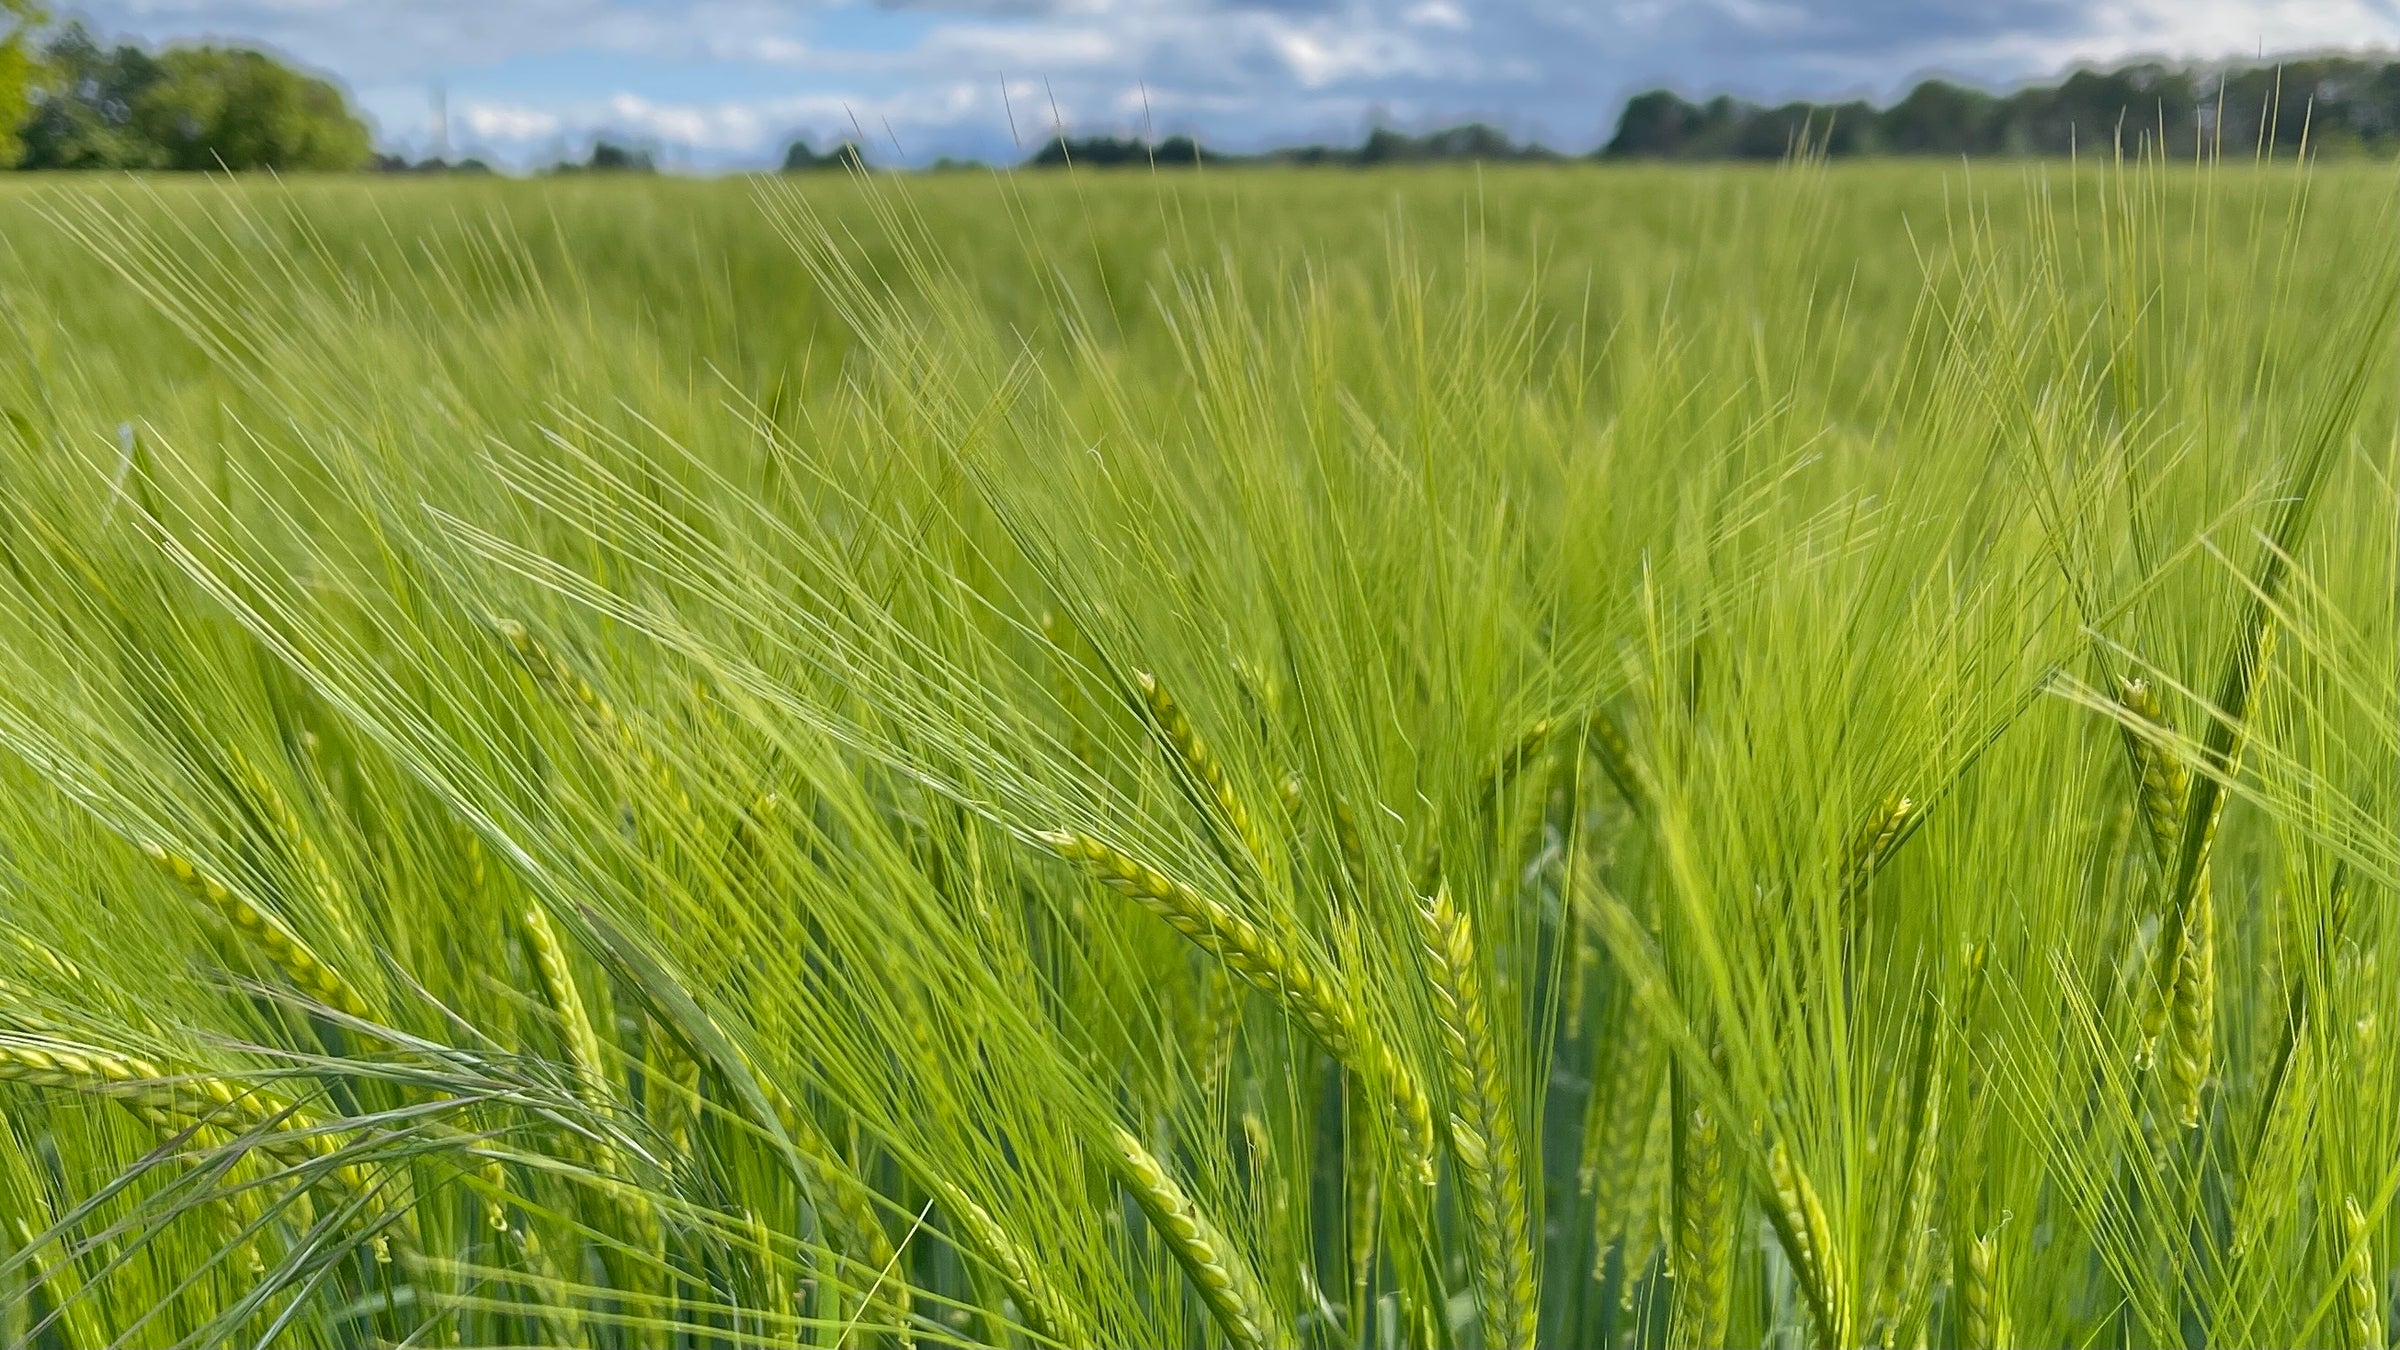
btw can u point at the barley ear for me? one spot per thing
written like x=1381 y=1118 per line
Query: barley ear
x=1983 y=1314
x=1362 y=1200
x=1175 y=731
x=2160 y=779
x=1608 y=744
x=1650 y=1217
x=1807 y=1235
x=172 y=1105
x=1521 y=755
x=1618 y=1114
x=1220 y=1026
x=1482 y=1130
x=2362 y=1291
x=1902 y=1293
x=1352 y=845
x=263 y=931
x=2162 y=785
x=1216 y=1270
x=2221 y=750
x=597 y=715
x=848 y=1213
x=2194 y=1017
x=566 y=1003
x=1873 y=841
x=1268 y=966
x=1039 y=1305
x=1702 y=1263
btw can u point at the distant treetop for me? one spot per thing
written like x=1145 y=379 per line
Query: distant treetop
x=609 y=157
x=800 y=158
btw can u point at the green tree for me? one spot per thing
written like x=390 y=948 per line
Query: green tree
x=1941 y=118
x=83 y=102
x=213 y=107
x=17 y=21
x=800 y=157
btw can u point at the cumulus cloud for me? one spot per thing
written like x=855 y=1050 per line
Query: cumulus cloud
x=728 y=81
x=499 y=122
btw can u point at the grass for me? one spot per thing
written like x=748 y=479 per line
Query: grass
x=1568 y=757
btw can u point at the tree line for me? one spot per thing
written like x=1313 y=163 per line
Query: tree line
x=2328 y=104
x=70 y=101
x=2322 y=104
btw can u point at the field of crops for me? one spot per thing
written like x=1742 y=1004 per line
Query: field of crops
x=1563 y=757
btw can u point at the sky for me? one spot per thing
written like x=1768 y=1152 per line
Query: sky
x=720 y=84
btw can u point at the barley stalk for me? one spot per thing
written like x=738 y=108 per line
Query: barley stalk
x=278 y=943
x=1807 y=1236
x=1482 y=1130
x=1268 y=967
x=1216 y=1270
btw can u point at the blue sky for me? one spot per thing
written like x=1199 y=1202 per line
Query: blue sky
x=726 y=83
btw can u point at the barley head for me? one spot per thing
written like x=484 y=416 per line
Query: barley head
x=1702 y=1264
x=2362 y=1291
x=1175 y=729
x=2163 y=782
x=1216 y=1270
x=1267 y=966
x=1482 y=1130
x=1983 y=1315
x=2194 y=1017
x=1809 y=1241
x=278 y=943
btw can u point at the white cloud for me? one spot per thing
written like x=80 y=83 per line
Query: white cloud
x=500 y=122
x=1047 y=47
x=1437 y=14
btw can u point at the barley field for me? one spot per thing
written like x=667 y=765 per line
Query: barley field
x=1567 y=757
